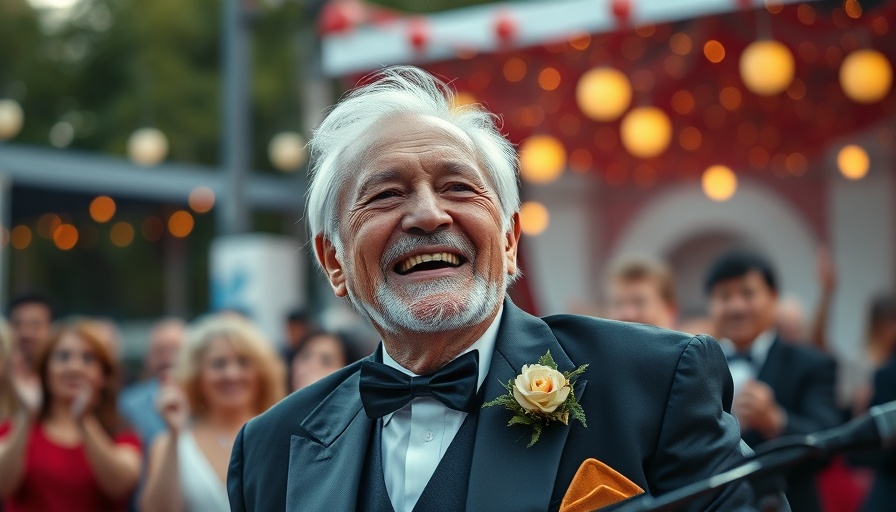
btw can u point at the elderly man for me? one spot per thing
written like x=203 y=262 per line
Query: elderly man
x=414 y=209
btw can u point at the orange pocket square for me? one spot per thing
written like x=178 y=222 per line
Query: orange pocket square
x=597 y=485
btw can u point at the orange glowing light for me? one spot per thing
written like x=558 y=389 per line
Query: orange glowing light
x=549 y=79
x=65 y=237
x=853 y=162
x=719 y=183
x=180 y=224
x=514 y=69
x=20 y=237
x=534 y=218
x=542 y=159
x=102 y=209
x=714 y=51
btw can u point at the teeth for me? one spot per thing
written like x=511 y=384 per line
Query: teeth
x=439 y=256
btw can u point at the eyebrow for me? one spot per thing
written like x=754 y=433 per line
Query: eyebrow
x=449 y=167
x=377 y=180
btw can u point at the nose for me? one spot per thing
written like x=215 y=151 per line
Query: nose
x=425 y=213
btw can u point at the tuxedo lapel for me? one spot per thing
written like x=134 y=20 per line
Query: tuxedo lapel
x=505 y=475
x=773 y=367
x=328 y=456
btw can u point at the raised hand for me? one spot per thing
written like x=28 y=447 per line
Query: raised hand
x=82 y=401
x=173 y=405
x=26 y=386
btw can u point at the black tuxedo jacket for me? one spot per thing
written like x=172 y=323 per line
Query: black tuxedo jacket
x=803 y=380
x=656 y=402
x=883 y=492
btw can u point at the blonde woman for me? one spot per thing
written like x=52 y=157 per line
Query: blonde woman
x=226 y=373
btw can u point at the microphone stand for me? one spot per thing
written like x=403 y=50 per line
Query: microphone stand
x=763 y=472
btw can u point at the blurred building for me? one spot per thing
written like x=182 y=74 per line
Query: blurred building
x=674 y=128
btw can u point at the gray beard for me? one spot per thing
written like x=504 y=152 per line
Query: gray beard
x=429 y=310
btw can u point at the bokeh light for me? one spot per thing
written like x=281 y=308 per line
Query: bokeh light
x=65 y=237
x=20 y=237
x=12 y=117
x=866 y=76
x=534 y=218
x=121 y=234
x=542 y=159
x=47 y=224
x=180 y=224
x=514 y=69
x=767 y=67
x=646 y=132
x=102 y=209
x=603 y=94
x=147 y=146
x=714 y=51
x=719 y=183
x=287 y=151
x=549 y=79
x=201 y=199
x=853 y=162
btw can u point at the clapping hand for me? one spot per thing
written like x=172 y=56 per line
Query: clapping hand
x=173 y=405
x=755 y=408
x=26 y=386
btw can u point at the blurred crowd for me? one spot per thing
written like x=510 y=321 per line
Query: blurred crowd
x=77 y=434
x=787 y=377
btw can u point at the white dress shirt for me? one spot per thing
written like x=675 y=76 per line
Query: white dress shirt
x=742 y=370
x=416 y=437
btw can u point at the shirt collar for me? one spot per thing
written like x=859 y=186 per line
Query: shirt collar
x=485 y=345
x=758 y=349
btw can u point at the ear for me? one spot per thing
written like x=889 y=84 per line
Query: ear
x=326 y=256
x=511 y=243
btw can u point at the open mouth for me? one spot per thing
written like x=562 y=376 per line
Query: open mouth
x=423 y=262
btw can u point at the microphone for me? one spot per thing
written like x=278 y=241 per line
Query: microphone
x=875 y=429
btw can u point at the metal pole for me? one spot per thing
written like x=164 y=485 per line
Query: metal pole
x=233 y=216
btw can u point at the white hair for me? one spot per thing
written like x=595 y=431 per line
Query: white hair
x=395 y=91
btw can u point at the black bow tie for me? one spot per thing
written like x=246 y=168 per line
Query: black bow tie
x=385 y=390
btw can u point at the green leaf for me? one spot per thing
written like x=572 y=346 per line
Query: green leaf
x=520 y=419
x=573 y=375
x=576 y=411
x=547 y=360
x=536 y=433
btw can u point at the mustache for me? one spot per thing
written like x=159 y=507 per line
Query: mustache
x=413 y=242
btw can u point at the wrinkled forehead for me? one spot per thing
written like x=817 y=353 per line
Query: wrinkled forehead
x=405 y=133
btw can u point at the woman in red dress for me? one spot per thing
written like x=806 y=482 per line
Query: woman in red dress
x=64 y=449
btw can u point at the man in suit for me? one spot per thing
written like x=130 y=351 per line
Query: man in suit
x=780 y=388
x=413 y=207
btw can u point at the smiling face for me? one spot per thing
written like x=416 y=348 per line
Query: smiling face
x=422 y=244
x=743 y=307
x=72 y=366
x=228 y=379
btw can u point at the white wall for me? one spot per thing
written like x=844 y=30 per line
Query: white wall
x=756 y=214
x=560 y=261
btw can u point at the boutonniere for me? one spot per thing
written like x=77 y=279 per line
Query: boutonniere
x=540 y=394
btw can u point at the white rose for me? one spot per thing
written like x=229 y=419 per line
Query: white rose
x=540 y=388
